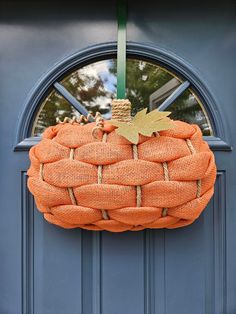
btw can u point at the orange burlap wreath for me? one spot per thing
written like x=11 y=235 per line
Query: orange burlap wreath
x=108 y=183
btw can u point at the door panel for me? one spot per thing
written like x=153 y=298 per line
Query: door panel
x=45 y=269
x=152 y=271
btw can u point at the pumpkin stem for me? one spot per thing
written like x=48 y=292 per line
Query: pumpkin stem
x=121 y=110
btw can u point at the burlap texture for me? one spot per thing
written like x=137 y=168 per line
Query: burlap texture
x=67 y=159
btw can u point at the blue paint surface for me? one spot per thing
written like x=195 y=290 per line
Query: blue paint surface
x=45 y=269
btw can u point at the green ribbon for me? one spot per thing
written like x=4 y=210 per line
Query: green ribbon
x=121 y=50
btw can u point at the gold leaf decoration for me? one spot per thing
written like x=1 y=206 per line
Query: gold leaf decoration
x=143 y=123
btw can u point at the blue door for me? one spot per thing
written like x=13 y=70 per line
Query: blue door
x=53 y=55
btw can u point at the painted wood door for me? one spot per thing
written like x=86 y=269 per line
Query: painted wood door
x=45 y=269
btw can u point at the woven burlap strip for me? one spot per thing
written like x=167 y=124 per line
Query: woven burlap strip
x=166 y=177
x=193 y=151
x=104 y=212
x=121 y=111
x=70 y=190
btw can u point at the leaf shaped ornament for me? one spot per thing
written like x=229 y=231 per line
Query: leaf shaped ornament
x=143 y=123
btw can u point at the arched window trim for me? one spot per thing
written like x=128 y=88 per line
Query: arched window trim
x=220 y=141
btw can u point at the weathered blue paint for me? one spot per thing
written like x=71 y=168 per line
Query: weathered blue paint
x=45 y=269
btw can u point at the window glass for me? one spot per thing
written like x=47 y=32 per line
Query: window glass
x=94 y=86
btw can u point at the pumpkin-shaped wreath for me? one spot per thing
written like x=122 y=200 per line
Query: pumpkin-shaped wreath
x=109 y=183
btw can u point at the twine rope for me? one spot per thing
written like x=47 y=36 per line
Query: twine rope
x=99 y=121
x=72 y=196
x=99 y=125
x=41 y=171
x=104 y=212
x=121 y=110
x=70 y=189
x=166 y=172
x=167 y=178
x=193 y=151
x=138 y=187
x=81 y=119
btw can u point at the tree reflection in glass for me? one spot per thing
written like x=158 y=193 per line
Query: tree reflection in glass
x=94 y=86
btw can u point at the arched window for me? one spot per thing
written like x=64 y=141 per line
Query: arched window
x=148 y=85
x=155 y=79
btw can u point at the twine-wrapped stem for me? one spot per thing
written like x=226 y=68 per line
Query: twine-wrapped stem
x=121 y=110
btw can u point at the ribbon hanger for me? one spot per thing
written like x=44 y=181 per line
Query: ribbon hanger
x=121 y=50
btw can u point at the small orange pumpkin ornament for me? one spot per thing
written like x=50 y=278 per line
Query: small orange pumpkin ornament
x=125 y=178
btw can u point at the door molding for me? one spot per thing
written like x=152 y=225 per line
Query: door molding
x=220 y=141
